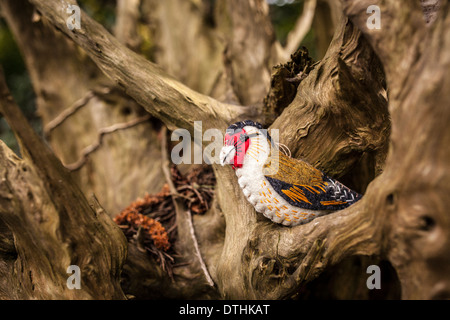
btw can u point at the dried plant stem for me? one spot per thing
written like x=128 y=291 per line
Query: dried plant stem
x=296 y=35
x=197 y=249
x=165 y=163
x=302 y=26
x=67 y=113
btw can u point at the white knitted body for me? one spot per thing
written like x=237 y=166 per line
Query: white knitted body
x=259 y=191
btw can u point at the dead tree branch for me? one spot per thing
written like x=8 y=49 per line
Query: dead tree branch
x=67 y=113
x=162 y=96
x=301 y=28
x=40 y=206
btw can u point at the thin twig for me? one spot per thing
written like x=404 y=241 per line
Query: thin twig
x=197 y=249
x=101 y=134
x=174 y=192
x=194 y=190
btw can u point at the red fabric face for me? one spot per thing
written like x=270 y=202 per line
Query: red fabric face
x=241 y=144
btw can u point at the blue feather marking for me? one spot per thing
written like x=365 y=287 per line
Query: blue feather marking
x=334 y=191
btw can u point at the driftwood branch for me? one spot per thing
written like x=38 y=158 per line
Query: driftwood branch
x=67 y=113
x=40 y=205
x=346 y=87
x=243 y=232
x=127 y=21
x=416 y=174
x=184 y=215
x=117 y=175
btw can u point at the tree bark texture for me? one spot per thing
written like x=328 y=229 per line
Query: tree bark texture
x=373 y=112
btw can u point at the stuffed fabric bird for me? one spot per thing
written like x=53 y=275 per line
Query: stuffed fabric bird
x=286 y=190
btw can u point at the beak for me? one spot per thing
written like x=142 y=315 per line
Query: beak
x=227 y=155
